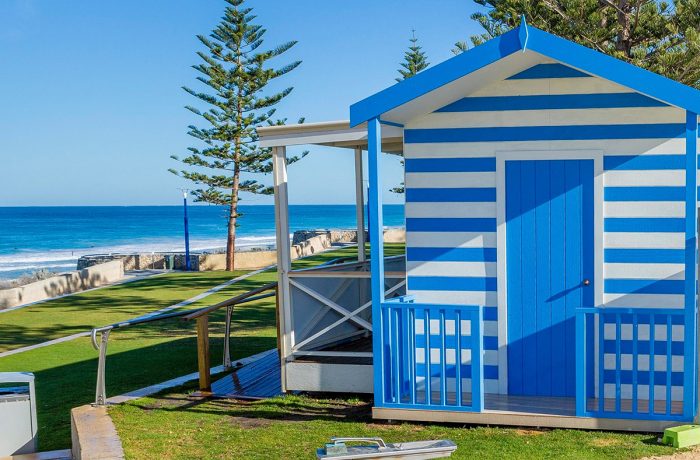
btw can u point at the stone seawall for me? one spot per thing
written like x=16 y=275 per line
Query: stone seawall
x=65 y=283
x=304 y=243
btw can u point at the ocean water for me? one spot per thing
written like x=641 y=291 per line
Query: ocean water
x=53 y=238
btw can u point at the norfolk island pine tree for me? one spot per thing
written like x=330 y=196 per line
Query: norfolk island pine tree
x=236 y=72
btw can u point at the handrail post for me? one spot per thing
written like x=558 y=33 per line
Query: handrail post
x=227 y=338
x=580 y=338
x=203 y=353
x=101 y=391
x=477 y=363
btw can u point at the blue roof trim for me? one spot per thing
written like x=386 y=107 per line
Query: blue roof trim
x=533 y=39
x=434 y=77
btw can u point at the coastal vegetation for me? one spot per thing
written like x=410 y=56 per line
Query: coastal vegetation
x=236 y=72
x=660 y=36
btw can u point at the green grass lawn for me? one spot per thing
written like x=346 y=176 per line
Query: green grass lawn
x=174 y=426
x=138 y=356
x=82 y=312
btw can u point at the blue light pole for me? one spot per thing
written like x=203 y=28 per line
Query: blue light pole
x=187 y=233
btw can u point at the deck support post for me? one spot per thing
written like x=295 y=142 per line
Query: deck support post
x=284 y=258
x=690 y=378
x=360 y=206
x=203 y=357
x=374 y=148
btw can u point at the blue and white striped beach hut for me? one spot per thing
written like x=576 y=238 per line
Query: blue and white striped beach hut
x=551 y=222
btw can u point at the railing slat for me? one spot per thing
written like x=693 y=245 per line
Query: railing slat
x=669 y=361
x=443 y=359
x=458 y=358
x=428 y=371
x=635 y=365
x=652 y=340
x=601 y=363
x=618 y=364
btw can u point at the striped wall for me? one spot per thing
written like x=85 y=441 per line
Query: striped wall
x=451 y=209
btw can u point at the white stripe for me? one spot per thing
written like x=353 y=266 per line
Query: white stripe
x=490 y=329
x=664 y=178
x=644 y=271
x=560 y=117
x=477 y=209
x=450 y=268
x=479 y=298
x=644 y=209
x=485 y=149
x=645 y=240
x=451 y=179
x=451 y=239
x=550 y=86
x=644 y=300
x=491 y=357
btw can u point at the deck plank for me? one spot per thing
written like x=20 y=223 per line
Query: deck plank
x=257 y=380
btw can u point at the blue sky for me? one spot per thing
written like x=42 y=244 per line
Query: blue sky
x=91 y=106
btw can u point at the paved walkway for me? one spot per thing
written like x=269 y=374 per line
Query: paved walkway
x=184 y=303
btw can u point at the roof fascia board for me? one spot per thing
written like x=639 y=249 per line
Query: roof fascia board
x=435 y=77
x=615 y=70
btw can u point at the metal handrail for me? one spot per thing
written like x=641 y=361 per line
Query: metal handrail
x=232 y=301
x=104 y=331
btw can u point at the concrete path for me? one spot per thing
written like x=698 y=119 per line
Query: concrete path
x=184 y=303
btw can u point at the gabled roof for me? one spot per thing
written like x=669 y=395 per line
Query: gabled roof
x=522 y=39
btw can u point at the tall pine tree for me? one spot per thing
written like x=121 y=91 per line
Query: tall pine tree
x=656 y=35
x=414 y=59
x=236 y=72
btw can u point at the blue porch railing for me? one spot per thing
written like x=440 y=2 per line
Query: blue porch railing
x=432 y=356
x=630 y=364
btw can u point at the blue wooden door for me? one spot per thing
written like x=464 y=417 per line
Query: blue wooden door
x=549 y=260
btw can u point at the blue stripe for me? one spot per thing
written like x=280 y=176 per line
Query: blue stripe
x=451 y=283
x=648 y=256
x=644 y=224
x=545 y=133
x=450 y=164
x=634 y=286
x=644 y=193
x=490 y=313
x=551 y=102
x=644 y=347
x=548 y=71
x=467 y=224
x=643 y=162
x=451 y=254
x=490 y=343
x=643 y=377
x=444 y=195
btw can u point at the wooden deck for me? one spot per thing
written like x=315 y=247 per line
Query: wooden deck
x=553 y=405
x=257 y=380
x=553 y=412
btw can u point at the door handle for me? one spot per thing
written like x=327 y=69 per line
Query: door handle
x=586 y=282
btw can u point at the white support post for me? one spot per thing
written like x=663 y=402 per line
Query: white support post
x=360 y=206
x=284 y=259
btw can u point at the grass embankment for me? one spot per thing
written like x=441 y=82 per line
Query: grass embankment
x=174 y=426
x=138 y=356
x=80 y=312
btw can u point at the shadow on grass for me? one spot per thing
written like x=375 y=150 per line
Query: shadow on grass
x=63 y=387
